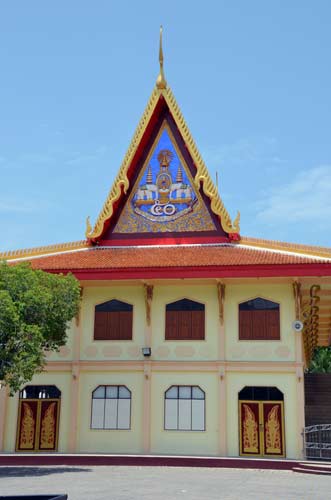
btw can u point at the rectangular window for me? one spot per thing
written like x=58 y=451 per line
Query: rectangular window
x=111 y=407
x=113 y=321
x=184 y=409
x=185 y=320
x=259 y=319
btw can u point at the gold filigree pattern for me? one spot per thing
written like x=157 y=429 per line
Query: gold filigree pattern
x=272 y=429
x=310 y=318
x=27 y=428
x=250 y=437
x=202 y=175
x=47 y=434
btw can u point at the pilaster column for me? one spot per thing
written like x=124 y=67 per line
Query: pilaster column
x=148 y=291
x=301 y=409
x=74 y=408
x=222 y=372
x=3 y=411
x=74 y=392
x=147 y=408
x=222 y=412
x=221 y=331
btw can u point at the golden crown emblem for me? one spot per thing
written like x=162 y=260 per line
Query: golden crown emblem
x=164 y=157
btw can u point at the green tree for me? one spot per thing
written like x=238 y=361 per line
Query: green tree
x=321 y=361
x=35 y=308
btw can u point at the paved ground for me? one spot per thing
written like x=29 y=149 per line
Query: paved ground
x=164 y=483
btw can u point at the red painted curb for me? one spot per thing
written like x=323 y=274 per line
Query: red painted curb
x=152 y=461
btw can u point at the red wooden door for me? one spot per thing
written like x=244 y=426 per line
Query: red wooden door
x=250 y=442
x=27 y=425
x=37 y=427
x=261 y=430
x=273 y=423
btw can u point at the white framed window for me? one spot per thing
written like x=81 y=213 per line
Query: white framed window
x=184 y=408
x=111 y=407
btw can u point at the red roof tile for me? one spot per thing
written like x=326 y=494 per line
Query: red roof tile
x=161 y=257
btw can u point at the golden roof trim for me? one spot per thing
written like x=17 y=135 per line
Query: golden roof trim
x=44 y=250
x=202 y=175
x=298 y=248
x=121 y=180
x=161 y=82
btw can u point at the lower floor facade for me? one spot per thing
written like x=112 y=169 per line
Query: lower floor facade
x=149 y=407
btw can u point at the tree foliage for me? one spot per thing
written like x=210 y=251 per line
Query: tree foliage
x=35 y=308
x=321 y=361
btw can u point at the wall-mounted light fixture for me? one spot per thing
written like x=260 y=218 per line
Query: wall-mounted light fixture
x=147 y=351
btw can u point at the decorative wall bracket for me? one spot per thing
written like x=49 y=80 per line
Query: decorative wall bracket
x=221 y=298
x=297 y=298
x=80 y=307
x=310 y=319
x=148 y=289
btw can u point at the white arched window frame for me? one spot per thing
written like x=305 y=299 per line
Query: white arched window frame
x=184 y=408
x=111 y=407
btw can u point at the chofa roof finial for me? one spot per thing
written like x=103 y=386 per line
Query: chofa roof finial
x=161 y=81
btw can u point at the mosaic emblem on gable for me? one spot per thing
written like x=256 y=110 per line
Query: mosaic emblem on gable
x=165 y=192
x=163 y=198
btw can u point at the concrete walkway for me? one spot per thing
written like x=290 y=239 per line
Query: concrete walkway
x=163 y=483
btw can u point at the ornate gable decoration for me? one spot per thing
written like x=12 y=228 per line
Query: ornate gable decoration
x=165 y=196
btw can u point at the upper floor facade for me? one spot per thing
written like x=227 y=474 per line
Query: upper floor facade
x=185 y=321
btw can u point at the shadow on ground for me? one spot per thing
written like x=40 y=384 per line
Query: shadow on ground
x=37 y=471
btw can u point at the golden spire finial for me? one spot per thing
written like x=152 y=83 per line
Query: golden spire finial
x=161 y=81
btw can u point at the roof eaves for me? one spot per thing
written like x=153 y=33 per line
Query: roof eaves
x=290 y=248
x=44 y=251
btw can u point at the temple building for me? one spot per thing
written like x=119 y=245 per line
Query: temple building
x=191 y=338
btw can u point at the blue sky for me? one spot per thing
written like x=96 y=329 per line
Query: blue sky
x=252 y=78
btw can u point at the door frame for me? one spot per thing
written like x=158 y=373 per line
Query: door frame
x=37 y=424
x=261 y=428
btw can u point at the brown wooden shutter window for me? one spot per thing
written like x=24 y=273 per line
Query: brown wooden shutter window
x=113 y=321
x=185 y=320
x=259 y=319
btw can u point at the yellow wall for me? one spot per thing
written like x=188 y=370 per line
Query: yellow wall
x=125 y=349
x=62 y=381
x=286 y=383
x=162 y=441
x=184 y=349
x=257 y=350
x=66 y=352
x=110 y=441
x=276 y=350
x=184 y=442
x=188 y=353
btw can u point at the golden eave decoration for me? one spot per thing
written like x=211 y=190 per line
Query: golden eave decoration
x=25 y=253
x=202 y=177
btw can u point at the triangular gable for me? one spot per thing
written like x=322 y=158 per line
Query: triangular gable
x=164 y=198
x=122 y=218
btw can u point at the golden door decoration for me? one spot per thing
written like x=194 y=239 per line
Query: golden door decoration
x=261 y=428
x=38 y=423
